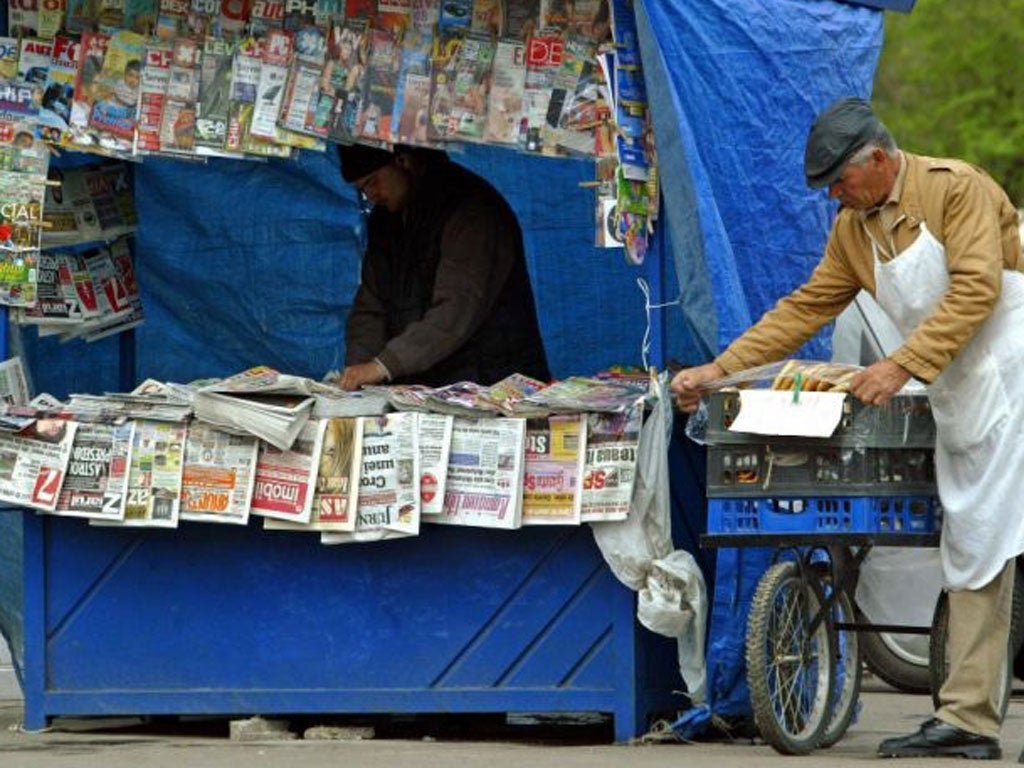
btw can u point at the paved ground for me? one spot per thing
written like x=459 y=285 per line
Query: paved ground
x=447 y=743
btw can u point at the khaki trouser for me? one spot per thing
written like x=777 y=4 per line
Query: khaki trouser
x=979 y=630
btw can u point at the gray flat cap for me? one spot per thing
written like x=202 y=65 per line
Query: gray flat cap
x=837 y=133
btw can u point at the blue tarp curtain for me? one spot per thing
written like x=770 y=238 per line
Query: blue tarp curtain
x=256 y=263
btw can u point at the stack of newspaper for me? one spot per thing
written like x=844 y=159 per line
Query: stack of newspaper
x=260 y=401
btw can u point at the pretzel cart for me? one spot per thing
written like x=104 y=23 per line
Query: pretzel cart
x=822 y=503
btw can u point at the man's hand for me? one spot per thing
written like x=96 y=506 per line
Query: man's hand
x=356 y=376
x=686 y=384
x=877 y=383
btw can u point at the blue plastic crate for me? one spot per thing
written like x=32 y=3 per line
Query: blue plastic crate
x=825 y=514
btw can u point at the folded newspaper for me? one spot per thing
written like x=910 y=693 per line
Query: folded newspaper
x=261 y=402
x=581 y=394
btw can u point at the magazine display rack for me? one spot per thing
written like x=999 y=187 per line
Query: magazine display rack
x=237 y=621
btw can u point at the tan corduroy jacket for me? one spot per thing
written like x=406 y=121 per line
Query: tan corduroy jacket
x=962 y=207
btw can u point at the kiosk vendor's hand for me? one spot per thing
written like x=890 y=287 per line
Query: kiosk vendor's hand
x=877 y=383
x=356 y=376
x=686 y=384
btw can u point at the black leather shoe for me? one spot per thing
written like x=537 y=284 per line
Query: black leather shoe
x=936 y=738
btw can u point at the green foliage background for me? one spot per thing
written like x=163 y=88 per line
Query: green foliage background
x=950 y=83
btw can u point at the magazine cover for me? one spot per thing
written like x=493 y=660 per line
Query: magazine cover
x=277 y=56
x=8 y=58
x=342 y=73
x=544 y=54
x=34 y=56
x=412 y=90
x=178 y=121
x=92 y=51
x=22 y=18
x=172 y=19
x=59 y=92
x=96 y=485
x=444 y=62
x=245 y=77
x=553 y=471
x=520 y=19
x=116 y=92
x=565 y=125
x=470 y=88
x=505 y=100
x=156 y=75
x=21 y=150
x=79 y=16
x=344 y=123
x=214 y=104
x=374 y=119
x=265 y=15
x=21 y=218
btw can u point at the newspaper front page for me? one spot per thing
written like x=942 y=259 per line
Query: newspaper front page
x=435 y=438
x=154 y=477
x=285 y=479
x=33 y=463
x=485 y=473
x=96 y=486
x=337 y=480
x=610 y=468
x=555 y=450
x=219 y=474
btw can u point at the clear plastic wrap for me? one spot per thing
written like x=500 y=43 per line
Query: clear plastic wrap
x=904 y=422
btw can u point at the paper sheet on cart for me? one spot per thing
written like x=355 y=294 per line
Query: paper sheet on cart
x=777 y=412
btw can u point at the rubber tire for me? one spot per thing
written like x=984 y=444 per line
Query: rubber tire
x=760 y=632
x=849 y=655
x=887 y=665
x=940 y=624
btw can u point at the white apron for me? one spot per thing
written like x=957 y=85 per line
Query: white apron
x=978 y=404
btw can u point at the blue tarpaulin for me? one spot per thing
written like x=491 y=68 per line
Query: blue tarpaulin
x=245 y=263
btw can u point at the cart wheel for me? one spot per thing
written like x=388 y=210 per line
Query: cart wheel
x=846 y=688
x=939 y=658
x=790 y=672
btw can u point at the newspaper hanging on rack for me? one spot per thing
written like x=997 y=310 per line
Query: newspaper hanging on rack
x=154 y=476
x=33 y=463
x=96 y=486
x=389 y=487
x=553 y=470
x=485 y=473
x=337 y=480
x=220 y=470
x=285 y=478
x=613 y=440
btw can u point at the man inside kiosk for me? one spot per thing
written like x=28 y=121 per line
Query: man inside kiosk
x=444 y=295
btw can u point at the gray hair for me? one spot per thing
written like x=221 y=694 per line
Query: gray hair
x=882 y=140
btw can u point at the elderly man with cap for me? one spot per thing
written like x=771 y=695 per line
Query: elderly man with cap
x=936 y=242
x=445 y=295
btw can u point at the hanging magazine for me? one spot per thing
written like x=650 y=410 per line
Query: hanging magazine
x=278 y=49
x=59 y=92
x=96 y=485
x=178 y=121
x=21 y=218
x=21 y=150
x=156 y=76
x=505 y=100
x=553 y=470
x=412 y=92
x=115 y=92
x=344 y=74
x=93 y=49
x=214 y=103
x=374 y=120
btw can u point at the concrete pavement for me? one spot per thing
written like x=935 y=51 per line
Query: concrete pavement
x=442 y=743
